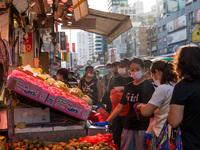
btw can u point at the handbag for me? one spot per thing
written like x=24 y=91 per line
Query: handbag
x=163 y=142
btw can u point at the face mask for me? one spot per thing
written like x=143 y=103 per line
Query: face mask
x=157 y=82
x=137 y=75
x=69 y=76
x=90 y=75
x=122 y=71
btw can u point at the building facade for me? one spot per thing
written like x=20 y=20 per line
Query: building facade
x=152 y=40
x=179 y=28
x=113 y=5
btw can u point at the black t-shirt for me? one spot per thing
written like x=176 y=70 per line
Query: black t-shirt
x=119 y=81
x=136 y=94
x=187 y=93
x=73 y=81
x=90 y=89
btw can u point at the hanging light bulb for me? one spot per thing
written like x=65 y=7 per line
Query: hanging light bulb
x=50 y=2
x=64 y=1
x=33 y=4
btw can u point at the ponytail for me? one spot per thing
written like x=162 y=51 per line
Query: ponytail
x=168 y=70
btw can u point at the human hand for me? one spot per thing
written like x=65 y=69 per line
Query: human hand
x=119 y=88
x=98 y=105
x=100 y=123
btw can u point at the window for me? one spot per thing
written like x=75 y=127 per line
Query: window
x=191 y=15
x=164 y=27
x=160 y=40
x=126 y=12
x=165 y=38
x=159 y=29
x=160 y=51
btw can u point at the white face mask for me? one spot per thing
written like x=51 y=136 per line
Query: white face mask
x=122 y=71
x=157 y=82
x=90 y=75
x=137 y=75
x=109 y=70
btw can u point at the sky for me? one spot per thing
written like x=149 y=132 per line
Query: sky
x=103 y=5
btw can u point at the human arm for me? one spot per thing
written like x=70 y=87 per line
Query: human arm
x=175 y=116
x=147 y=110
x=99 y=91
x=115 y=113
x=103 y=84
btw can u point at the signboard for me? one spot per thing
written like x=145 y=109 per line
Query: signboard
x=176 y=23
x=175 y=5
x=73 y=47
x=81 y=9
x=177 y=36
x=28 y=44
x=89 y=62
x=67 y=47
x=196 y=35
x=62 y=41
x=198 y=15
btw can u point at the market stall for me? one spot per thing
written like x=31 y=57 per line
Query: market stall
x=47 y=110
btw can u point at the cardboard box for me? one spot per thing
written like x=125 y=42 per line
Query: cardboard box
x=27 y=89
x=67 y=106
x=31 y=115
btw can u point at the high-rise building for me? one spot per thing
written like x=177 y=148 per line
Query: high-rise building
x=85 y=47
x=180 y=28
x=113 y=5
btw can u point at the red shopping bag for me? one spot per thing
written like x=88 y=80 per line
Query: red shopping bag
x=104 y=114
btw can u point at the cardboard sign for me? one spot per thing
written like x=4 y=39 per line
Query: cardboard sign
x=28 y=44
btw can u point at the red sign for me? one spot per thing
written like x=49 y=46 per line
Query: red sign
x=73 y=47
x=112 y=55
x=198 y=15
x=28 y=44
x=67 y=47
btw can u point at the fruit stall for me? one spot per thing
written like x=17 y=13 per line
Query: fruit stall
x=43 y=111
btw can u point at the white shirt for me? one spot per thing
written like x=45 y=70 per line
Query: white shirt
x=161 y=98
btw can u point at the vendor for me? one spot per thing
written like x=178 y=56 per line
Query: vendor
x=90 y=85
x=62 y=75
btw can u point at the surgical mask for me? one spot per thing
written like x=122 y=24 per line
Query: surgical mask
x=157 y=82
x=90 y=75
x=122 y=71
x=137 y=75
x=69 y=76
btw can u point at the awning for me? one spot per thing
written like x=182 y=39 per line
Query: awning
x=110 y=25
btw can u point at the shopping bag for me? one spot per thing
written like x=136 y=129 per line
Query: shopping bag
x=104 y=114
x=163 y=142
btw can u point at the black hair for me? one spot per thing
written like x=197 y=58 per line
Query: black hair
x=88 y=67
x=168 y=70
x=63 y=72
x=147 y=63
x=137 y=61
x=188 y=62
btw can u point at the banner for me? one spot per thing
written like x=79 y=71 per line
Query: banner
x=177 y=36
x=67 y=47
x=73 y=47
x=28 y=44
x=65 y=57
x=62 y=41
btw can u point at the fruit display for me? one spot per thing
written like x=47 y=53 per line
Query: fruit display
x=76 y=92
x=72 y=144
x=46 y=90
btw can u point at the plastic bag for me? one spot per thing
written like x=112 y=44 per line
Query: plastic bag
x=104 y=114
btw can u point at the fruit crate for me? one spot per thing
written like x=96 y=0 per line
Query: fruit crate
x=27 y=89
x=67 y=106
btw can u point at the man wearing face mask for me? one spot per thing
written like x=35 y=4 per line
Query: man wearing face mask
x=115 y=69
x=71 y=80
x=117 y=84
x=90 y=85
x=105 y=84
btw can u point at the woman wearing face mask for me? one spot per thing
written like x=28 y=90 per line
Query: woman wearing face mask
x=90 y=85
x=165 y=77
x=140 y=90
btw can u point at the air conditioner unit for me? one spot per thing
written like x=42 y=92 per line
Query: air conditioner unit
x=2 y=3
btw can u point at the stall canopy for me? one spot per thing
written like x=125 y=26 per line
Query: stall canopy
x=110 y=25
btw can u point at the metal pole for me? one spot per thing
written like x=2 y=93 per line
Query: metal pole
x=70 y=48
